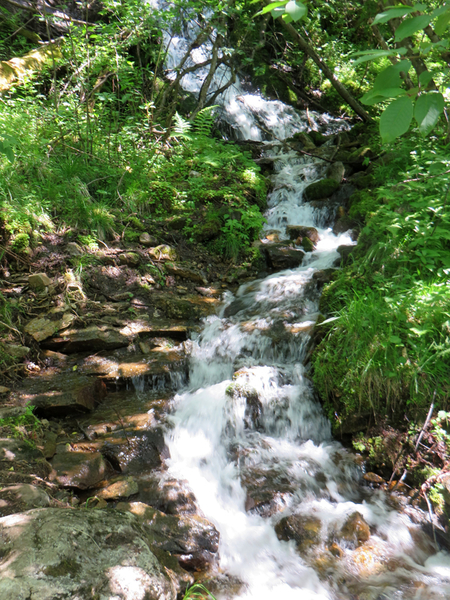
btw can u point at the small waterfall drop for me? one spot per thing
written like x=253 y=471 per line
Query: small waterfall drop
x=248 y=434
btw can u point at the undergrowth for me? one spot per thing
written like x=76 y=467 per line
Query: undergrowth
x=389 y=347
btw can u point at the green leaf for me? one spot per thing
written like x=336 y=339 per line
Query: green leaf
x=387 y=15
x=437 y=12
x=425 y=78
x=296 y=10
x=394 y=339
x=375 y=54
x=410 y=26
x=390 y=77
x=442 y=23
x=270 y=7
x=372 y=98
x=429 y=108
x=396 y=119
x=9 y=154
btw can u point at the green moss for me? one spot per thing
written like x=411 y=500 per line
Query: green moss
x=67 y=567
x=321 y=189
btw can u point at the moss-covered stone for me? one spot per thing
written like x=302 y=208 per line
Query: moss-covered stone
x=321 y=189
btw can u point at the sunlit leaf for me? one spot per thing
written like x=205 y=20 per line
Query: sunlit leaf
x=296 y=10
x=375 y=54
x=396 y=12
x=390 y=77
x=411 y=26
x=442 y=23
x=270 y=7
x=425 y=78
x=396 y=119
x=429 y=108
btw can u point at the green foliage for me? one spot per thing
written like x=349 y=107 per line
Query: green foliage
x=197 y=592
x=389 y=347
x=23 y=426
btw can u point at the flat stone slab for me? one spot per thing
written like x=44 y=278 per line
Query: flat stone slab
x=53 y=553
x=58 y=404
x=44 y=327
x=123 y=487
x=90 y=339
x=82 y=470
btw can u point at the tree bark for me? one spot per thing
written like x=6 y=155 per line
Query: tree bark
x=338 y=86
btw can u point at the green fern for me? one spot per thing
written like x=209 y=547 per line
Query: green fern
x=182 y=128
x=204 y=121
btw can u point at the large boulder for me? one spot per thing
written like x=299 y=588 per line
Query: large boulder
x=192 y=539
x=320 y=190
x=82 y=470
x=79 y=554
x=90 y=339
x=59 y=404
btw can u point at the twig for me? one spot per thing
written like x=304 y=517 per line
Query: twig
x=430 y=514
x=123 y=426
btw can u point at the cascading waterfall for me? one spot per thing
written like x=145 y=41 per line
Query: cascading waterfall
x=250 y=438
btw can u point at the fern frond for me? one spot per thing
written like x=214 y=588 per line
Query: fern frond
x=204 y=121
x=181 y=128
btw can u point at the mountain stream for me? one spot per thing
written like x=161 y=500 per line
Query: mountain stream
x=296 y=519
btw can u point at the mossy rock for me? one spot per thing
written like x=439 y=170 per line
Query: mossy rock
x=307 y=245
x=321 y=189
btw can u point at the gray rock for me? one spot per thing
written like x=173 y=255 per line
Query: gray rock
x=192 y=539
x=20 y=497
x=78 y=554
x=186 y=273
x=345 y=253
x=39 y=281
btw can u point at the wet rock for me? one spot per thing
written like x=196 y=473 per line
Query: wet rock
x=345 y=254
x=306 y=244
x=66 y=553
x=82 y=470
x=20 y=497
x=163 y=252
x=156 y=366
x=54 y=359
x=131 y=259
x=344 y=224
x=305 y=140
x=192 y=539
x=171 y=496
x=90 y=339
x=373 y=478
x=320 y=189
x=304 y=530
x=39 y=281
x=59 y=404
x=123 y=487
x=183 y=309
x=281 y=256
x=185 y=273
x=296 y=231
x=355 y=529
x=147 y=240
x=324 y=276
x=16 y=351
x=44 y=327
x=336 y=171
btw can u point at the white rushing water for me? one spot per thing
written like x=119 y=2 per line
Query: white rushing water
x=250 y=438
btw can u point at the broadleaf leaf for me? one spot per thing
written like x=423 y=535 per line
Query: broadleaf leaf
x=428 y=109
x=396 y=119
x=411 y=26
